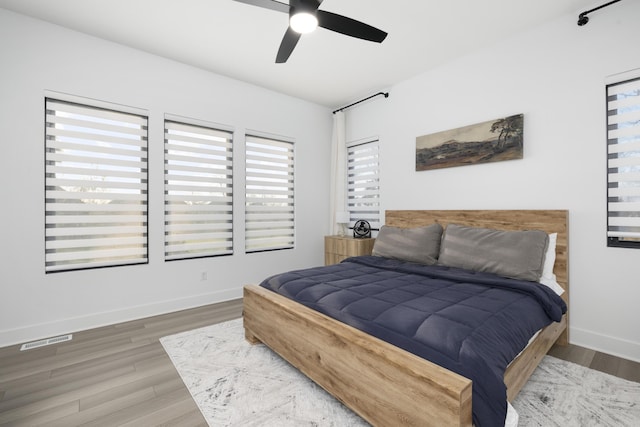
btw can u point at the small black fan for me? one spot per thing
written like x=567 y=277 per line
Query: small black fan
x=361 y=229
x=320 y=18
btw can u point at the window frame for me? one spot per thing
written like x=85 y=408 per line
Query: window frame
x=269 y=159
x=111 y=142
x=623 y=191
x=356 y=210
x=199 y=156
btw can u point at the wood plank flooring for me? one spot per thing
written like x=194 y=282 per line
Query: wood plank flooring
x=120 y=374
x=115 y=375
x=602 y=362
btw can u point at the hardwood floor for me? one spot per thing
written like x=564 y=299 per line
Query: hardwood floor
x=115 y=375
x=602 y=362
x=120 y=375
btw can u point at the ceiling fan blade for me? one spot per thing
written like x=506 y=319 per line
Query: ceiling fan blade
x=268 y=4
x=313 y=4
x=289 y=41
x=349 y=27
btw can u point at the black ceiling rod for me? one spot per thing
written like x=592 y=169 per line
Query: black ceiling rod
x=583 y=19
x=386 y=95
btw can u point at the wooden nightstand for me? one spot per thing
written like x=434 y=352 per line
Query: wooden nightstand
x=337 y=248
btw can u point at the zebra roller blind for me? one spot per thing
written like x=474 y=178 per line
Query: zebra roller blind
x=623 y=163
x=269 y=194
x=198 y=191
x=95 y=187
x=363 y=182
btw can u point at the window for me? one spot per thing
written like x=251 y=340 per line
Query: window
x=269 y=202
x=363 y=182
x=623 y=163
x=198 y=191
x=95 y=187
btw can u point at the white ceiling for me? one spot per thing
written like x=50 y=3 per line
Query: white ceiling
x=240 y=41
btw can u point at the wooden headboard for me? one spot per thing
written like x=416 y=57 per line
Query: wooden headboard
x=550 y=221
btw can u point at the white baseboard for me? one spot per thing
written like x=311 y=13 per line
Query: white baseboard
x=611 y=345
x=65 y=326
x=603 y=343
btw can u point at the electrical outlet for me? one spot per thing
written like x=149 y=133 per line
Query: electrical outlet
x=203 y=276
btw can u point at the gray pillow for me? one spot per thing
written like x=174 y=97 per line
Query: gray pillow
x=420 y=244
x=514 y=254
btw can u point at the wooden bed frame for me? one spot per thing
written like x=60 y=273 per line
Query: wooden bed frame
x=382 y=383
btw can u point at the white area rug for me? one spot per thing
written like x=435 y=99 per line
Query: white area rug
x=237 y=384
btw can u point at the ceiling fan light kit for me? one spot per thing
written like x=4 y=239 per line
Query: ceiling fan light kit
x=304 y=17
x=303 y=22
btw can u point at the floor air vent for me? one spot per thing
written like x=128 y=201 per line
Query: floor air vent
x=48 y=341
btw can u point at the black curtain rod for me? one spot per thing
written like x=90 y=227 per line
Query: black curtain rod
x=386 y=95
x=583 y=19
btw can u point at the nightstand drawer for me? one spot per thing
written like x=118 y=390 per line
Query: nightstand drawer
x=337 y=248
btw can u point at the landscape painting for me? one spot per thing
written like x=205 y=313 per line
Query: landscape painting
x=491 y=141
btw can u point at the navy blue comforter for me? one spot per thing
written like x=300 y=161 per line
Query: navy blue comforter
x=468 y=322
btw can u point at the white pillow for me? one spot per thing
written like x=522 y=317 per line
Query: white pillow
x=548 y=278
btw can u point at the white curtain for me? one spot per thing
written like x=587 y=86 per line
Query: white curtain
x=338 y=202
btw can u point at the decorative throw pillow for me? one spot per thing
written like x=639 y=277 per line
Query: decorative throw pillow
x=419 y=244
x=514 y=254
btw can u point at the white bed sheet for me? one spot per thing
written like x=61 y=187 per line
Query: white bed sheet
x=512 y=414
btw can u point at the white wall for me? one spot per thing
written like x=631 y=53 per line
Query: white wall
x=38 y=57
x=554 y=75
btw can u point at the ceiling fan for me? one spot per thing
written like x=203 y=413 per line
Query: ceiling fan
x=304 y=17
